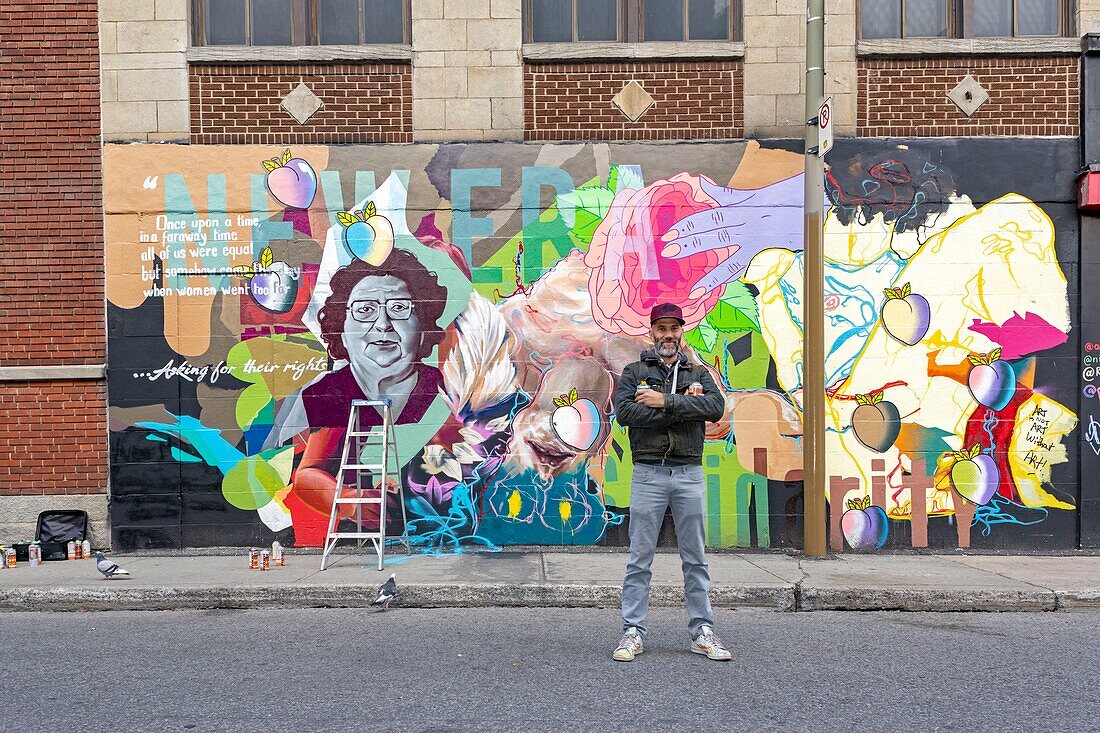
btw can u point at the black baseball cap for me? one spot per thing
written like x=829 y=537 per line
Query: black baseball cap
x=666 y=310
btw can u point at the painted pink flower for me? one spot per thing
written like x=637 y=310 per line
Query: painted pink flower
x=628 y=274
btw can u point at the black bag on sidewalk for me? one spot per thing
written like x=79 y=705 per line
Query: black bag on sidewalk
x=56 y=528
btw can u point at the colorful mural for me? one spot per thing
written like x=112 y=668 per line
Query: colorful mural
x=494 y=293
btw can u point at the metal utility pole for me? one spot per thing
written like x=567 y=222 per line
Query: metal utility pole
x=813 y=355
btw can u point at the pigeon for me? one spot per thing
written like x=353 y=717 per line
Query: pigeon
x=108 y=568
x=386 y=593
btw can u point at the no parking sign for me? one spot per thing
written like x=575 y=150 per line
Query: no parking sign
x=825 y=127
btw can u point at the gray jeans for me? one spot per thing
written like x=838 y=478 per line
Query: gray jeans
x=653 y=489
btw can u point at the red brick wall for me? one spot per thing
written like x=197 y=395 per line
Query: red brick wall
x=53 y=438
x=51 y=293
x=692 y=99
x=1027 y=96
x=53 y=434
x=363 y=103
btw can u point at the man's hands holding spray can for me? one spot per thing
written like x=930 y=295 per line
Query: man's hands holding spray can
x=646 y=395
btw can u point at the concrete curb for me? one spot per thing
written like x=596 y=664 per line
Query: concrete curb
x=1078 y=600
x=912 y=599
x=468 y=595
x=787 y=597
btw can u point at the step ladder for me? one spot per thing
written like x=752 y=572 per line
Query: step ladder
x=369 y=458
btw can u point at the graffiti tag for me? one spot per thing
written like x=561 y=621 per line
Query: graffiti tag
x=1092 y=435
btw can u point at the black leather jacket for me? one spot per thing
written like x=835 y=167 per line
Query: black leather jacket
x=675 y=433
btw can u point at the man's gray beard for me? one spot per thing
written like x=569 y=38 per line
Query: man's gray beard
x=663 y=349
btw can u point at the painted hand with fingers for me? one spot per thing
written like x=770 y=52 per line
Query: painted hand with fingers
x=747 y=221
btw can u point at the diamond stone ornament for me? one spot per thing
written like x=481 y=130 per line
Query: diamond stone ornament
x=633 y=101
x=968 y=95
x=302 y=103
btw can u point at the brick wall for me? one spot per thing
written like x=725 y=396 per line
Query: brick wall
x=51 y=294
x=52 y=433
x=363 y=103
x=53 y=438
x=1027 y=96
x=692 y=99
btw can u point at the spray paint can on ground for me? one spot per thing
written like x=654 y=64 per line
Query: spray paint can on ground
x=253 y=558
x=34 y=554
x=278 y=558
x=265 y=559
x=86 y=548
x=9 y=557
x=70 y=550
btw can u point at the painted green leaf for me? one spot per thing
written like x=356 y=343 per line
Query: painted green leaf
x=736 y=310
x=702 y=338
x=585 y=225
x=628 y=177
x=694 y=339
x=590 y=205
x=593 y=199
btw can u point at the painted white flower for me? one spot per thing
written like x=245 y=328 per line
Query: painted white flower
x=466 y=454
x=499 y=424
x=437 y=460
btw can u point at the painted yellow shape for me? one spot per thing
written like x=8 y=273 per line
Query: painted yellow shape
x=975 y=297
x=565 y=509
x=283 y=463
x=856 y=244
x=515 y=503
x=1036 y=445
x=963 y=280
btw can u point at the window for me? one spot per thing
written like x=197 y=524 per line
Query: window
x=563 y=21
x=299 y=22
x=963 y=18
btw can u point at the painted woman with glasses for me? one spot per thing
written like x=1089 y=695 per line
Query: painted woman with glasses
x=383 y=321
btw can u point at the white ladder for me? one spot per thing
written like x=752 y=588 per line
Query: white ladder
x=356 y=442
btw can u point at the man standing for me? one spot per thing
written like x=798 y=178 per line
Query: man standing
x=665 y=401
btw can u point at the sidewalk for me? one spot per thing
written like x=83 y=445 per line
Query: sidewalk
x=579 y=579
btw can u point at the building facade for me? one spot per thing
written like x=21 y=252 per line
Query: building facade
x=263 y=209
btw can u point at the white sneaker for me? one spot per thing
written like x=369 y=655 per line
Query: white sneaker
x=629 y=646
x=708 y=643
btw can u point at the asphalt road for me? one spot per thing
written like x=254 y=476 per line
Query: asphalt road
x=544 y=670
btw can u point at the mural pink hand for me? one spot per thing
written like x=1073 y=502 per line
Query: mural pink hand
x=629 y=273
